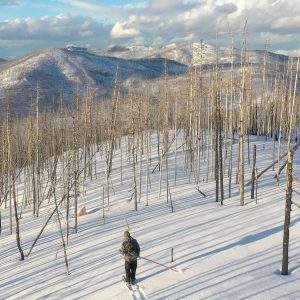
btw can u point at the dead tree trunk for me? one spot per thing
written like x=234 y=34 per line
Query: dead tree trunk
x=241 y=141
x=288 y=204
x=253 y=172
x=17 y=223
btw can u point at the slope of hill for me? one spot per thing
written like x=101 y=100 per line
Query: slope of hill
x=223 y=252
x=59 y=71
x=191 y=54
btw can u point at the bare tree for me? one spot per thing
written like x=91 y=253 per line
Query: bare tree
x=288 y=205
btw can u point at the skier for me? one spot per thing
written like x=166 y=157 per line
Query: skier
x=131 y=251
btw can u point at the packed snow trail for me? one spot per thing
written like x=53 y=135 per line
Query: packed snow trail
x=138 y=292
x=142 y=293
x=131 y=292
x=219 y=249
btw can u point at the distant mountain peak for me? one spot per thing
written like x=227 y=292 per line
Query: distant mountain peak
x=60 y=71
x=195 y=53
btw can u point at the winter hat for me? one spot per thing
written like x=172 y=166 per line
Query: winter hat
x=126 y=234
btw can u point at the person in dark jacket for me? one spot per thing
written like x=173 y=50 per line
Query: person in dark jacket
x=131 y=251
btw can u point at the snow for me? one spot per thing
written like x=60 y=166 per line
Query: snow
x=195 y=54
x=73 y=70
x=224 y=252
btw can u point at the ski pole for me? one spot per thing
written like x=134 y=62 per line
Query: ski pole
x=162 y=265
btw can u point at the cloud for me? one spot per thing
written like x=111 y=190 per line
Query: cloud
x=276 y=2
x=193 y=20
x=289 y=24
x=162 y=22
x=227 y=8
x=164 y=6
x=96 y=10
x=62 y=27
x=9 y=2
x=123 y=30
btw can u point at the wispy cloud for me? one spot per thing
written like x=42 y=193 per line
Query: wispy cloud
x=88 y=7
x=276 y=2
x=9 y=2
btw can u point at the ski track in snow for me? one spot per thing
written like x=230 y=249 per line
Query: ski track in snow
x=137 y=293
x=224 y=252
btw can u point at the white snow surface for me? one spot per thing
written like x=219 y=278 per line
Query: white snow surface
x=63 y=73
x=224 y=252
x=193 y=54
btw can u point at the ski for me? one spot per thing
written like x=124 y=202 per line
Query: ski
x=127 y=283
x=136 y=292
x=135 y=286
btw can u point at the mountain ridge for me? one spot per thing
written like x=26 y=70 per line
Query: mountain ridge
x=191 y=54
x=60 y=73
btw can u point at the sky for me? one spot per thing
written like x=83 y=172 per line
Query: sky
x=30 y=25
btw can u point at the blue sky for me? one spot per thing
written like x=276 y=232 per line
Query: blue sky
x=29 y=25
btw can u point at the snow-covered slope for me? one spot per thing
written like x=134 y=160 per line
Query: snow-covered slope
x=60 y=71
x=224 y=252
x=192 y=54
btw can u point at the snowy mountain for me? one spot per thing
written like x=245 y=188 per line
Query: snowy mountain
x=191 y=54
x=60 y=72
